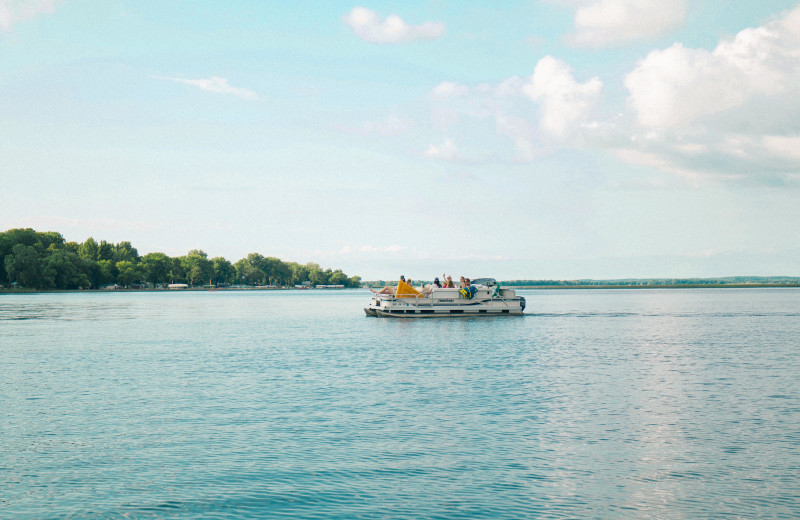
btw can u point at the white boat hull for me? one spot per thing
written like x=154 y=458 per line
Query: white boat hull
x=447 y=303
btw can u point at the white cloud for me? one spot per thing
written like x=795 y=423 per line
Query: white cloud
x=783 y=146
x=563 y=100
x=15 y=11
x=446 y=151
x=549 y=108
x=368 y=26
x=447 y=88
x=600 y=23
x=731 y=112
x=509 y=87
x=679 y=85
x=215 y=84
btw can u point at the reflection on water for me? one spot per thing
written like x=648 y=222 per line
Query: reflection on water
x=597 y=404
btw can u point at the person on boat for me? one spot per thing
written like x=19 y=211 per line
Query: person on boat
x=389 y=289
x=386 y=290
x=449 y=283
x=404 y=280
x=432 y=287
x=467 y=291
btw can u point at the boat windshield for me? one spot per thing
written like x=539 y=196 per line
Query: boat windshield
x=484 y=281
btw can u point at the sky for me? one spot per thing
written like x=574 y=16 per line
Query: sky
x=551 y=139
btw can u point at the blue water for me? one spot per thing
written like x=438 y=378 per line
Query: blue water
x=597 y=404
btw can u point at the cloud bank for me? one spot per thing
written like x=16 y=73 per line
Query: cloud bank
x=548 y=108
x=733 y=110
x=564 y=102
x=729 y=114
x=678 y=85
x=369 y=26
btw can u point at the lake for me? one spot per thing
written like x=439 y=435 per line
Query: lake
x=652 y=403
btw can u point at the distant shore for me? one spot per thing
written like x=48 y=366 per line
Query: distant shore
x=24 y=290
x=525 y=287
x=663 y=286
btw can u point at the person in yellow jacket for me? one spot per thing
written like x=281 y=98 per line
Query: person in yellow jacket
x=404 y=289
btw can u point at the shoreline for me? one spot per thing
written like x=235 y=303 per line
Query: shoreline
x=664 y=286
x=152 y=290
x=516 y=287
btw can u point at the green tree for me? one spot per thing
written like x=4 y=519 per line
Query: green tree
x=88 y=250
x=198 y=267
x=247 y=273
x=299 y=273
x=125 y=251
x=129 y=273
x=315 y=274
x=157 y=267
x=177 y=272
x=106 y=273
x=45 y=260
x=11 y=238
x=224 y=272
x=259 y=263
x=337 y=278
x=50 y=238
x=258 y=270
x=69 y=270
x=105 y=251
x=25 y=266
x=320 y=277
x=277 y=272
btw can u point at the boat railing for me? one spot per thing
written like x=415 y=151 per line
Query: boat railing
x=426 y=294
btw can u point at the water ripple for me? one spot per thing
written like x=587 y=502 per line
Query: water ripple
x=680 y=404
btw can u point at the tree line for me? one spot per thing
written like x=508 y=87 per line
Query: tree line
x=44 y=260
